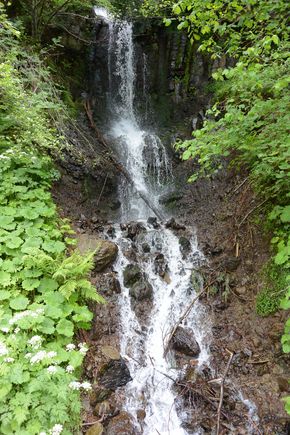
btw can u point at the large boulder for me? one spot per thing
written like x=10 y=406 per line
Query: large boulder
x=114 y=374
x=131 y=274
x=122 y=424
x=184 y=342
x=141 y=290
x=106 y=251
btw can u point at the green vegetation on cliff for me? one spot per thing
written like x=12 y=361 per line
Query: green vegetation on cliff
x=43 y=282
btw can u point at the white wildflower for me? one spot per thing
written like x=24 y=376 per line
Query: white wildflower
x=70 y=347
x=56 y=430
x=28 y=355
x=39 y=356
x=86 y=386
x=26 y=313
x=51 y=354
x=51 y=370
x=5 y=330
x=16 y=330
x=83 y=348
x=3 y=349
x=9 y=360
x=69 y=369
x=75 y=385
x=35 y=341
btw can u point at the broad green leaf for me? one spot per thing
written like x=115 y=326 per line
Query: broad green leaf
x=19 y=303
x=65 y=327
x=48 y=285
x=30 y=284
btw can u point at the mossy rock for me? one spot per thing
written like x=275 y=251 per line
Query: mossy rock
x=97 y=429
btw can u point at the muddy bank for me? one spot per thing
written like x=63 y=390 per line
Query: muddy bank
x=236 y=249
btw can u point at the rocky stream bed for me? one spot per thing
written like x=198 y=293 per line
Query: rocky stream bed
x=259 y=368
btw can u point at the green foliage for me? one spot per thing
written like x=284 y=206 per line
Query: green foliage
x=43 y=291
x=249 y=119
x=232 y=26
x=39 y=16
x=154 y=8
x=267 y=303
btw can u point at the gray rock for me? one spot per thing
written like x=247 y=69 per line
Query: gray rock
x=141 y=290
x=106 y=251
x=184 y=342
x=131 y=275
x=160 y=265
x=153 y=222
x=174 y=225
x=146 y=247
x=114 y=374
x=185 y=245
x=133 y=229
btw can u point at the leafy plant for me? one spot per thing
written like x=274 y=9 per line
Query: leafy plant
x=248 y=120
x=43 y=291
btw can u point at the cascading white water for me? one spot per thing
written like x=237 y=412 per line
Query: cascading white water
x=152 y=374
x=141 y=152
x=145 y=159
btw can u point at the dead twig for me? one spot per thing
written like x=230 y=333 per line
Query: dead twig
x=252 y=210
x=239 y=186
x=222 y=391
x=265 y=361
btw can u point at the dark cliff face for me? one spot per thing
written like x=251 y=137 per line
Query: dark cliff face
x=171 y=76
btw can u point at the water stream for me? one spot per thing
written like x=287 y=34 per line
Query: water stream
x=142 y=338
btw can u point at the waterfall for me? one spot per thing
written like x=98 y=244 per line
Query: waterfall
x=142 y=339
x=140 y=152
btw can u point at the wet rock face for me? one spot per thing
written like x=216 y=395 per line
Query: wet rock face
x=106 y=251
x=133 y=229
x=153 y=222
x=114 y=374
x=160 y=265
x=122 y=424
x=132 y=274
x=141 y=291
x=185 y=246
x=184 y=342
x=174 y=225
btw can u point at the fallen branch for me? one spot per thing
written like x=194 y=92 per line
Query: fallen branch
x=239 y=186
x=252 y=210
x=222 y=392
x=184 y=315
